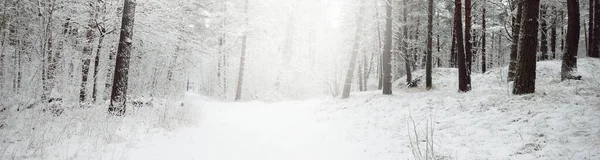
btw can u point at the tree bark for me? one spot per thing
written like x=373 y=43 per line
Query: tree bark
x=590 y=27
x=85 y=62
x=525 y=77
x=405 y=43
x=514 y=47
x=553 y=35
x=354 y=55
x=596 y=42
x=460 y=48
x=544 y=33
x=569 y=63
x=429 y=65
x=387 y=52
x=118 y=96
x=240 y=82
x=468 y=44
x=483 y=38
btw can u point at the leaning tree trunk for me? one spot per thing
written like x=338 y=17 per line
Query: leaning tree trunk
x=118 y=96
x=514 y=47
x=460 y=48
x=569 y=63
x=387 y=52
x=428 y=68
x=353 y=57
x=525 y=77
x=240 y=82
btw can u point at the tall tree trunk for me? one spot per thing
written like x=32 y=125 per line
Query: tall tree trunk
x=85 y=62
x=379 y=49
x=49 y=70
x=501 y=60
x=3 y=32
x=460 y=48
x=405 y=43
x=439 y=50
x=483 y=38
x=365 y=71
x=514 y=47
x=96 y=66
x=569 y=63
x=360 y=74
x=429 y=65
x=553 y=35
x=596 y=42
x=468 y=44
x=387 y=52
x=453 y=52
x=118 y=96
x=238 y=92
x=525 y=77
x=544 y=33
x=590 y=27
x=353 y=57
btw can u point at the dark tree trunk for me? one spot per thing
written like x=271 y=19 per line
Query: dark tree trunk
x=85 y=62
x=428 y=68
x=501 y=61
x=596 y=42
x=590 y=27
x=405 y=43
x=118 y=96
x=514 y=47
x=387 y=52
x=453 y=52
x=483 y=36
x=355 y=48
x=96 y=67
x=569 y=63
x=439 y=50
x=240 y=82
x=460 y=49
x=525 y=77
x=553 y=36
x=544 y=33
x=467 y=43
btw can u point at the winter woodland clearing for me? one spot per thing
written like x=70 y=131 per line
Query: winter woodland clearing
x=299 y=79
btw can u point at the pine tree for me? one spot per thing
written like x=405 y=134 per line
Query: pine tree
x=468 y=44
x=355 y=47
x=483 y=43
x=118 y=96
x=460 y=48
x=240 y=82
x=387 y=52
x=514 y=47
x=428 y=78
x=526 y=66
x=569 y=63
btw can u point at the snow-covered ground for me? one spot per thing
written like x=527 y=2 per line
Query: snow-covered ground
x=560 y=121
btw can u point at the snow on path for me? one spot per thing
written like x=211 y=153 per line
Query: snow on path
x=254 y=130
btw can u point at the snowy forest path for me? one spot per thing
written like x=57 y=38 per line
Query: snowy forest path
x=254 y=130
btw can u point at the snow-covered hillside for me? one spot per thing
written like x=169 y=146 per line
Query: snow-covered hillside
x=560 y=121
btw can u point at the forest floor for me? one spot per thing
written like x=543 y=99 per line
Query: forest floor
x=560 y=121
